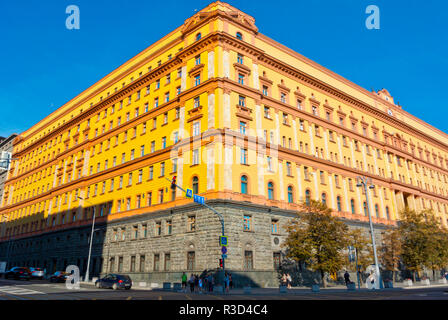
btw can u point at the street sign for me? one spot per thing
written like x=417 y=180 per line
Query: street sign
x=189 y=193
x=224 y=256
x=223 y=241
x=224 y=250
x=199 y=199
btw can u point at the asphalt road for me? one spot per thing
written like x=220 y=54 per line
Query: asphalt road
x=44 y=290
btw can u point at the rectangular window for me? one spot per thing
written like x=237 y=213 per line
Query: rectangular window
x=248 y=260
x=167 y=261
x=195 y=157
x=191 y=223
x=247 y=223
x=142 y=263
x=190 y=260
x=274 y=226
x=156 y=262
x=196 y=128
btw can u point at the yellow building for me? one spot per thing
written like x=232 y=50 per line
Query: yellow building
x=242 y=120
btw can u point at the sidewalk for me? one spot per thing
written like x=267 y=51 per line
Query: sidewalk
x=293 y=290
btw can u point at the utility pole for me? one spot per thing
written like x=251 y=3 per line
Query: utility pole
x=367 y=184
x=86 y=278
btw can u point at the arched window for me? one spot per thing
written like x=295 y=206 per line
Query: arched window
x=365 y=208
x=387 y=213
x=195 y=185
x=377 y=211
x=339 y=204
x=244 y=184
x=308 y=197
x=270 y=191
x=239 y=36
x=352 y=204
x=324 y=198
x=198 y=36
x=290 y=196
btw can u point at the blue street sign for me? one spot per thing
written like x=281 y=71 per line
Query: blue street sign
x=223 y=241
x=189 y=193
x=199 y=199
x=224 y=256
x=224 y=250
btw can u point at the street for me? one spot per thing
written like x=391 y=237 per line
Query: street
x=43 y=290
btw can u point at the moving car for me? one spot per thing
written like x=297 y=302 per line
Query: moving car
x=18 y=273
x=37 y=273
x=59 y=276
x=114 y=281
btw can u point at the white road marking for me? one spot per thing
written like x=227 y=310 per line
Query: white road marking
x=18 y=291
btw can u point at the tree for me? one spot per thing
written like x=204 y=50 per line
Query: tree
x=317 y=238
x=437 y=246
x=364 y=251
x=390 y=251
x=415 y=240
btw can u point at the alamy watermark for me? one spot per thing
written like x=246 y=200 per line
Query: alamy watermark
x=73 y=20
x=72 y=281
x=373 y=20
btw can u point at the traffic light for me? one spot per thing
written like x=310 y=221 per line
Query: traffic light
x=173 y=183
x=220 y=263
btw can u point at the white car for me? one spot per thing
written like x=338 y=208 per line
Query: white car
x=37 y=273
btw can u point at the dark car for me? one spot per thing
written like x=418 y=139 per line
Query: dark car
x=114 y=281
x=59 y=276
x=18 y=273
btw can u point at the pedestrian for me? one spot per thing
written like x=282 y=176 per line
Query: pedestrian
x=283 y=280
x=191 y=283
x=288 y=280
x=226 y=282
x=230 y=281
x=200 y=285
x=196 y=283
x=211 y=281
x=184 y=282
x=347 y=277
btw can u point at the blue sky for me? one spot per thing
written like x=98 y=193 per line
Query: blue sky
x=44 y=65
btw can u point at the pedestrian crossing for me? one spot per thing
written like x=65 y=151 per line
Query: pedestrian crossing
x=15 y=290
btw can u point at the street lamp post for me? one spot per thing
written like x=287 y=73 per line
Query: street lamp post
x=367 y=184
x=86 y=278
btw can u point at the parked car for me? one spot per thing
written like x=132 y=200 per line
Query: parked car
x=18 y=273
x=59 y=276
x=37 y=273
x=114 y=281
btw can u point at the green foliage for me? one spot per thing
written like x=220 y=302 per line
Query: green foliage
x=390 y=251
x=317 y=238
x=424 y=242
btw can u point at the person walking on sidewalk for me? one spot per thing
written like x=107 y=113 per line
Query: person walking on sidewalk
x=283 y=280
x=226 y=282
x=191 y=281
x=347 y=277
x=288 y=280
x=184 y=282
x=230 y=281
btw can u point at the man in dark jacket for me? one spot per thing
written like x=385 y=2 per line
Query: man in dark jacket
x=346 y=277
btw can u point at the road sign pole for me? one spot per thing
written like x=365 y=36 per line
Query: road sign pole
x=221 y=218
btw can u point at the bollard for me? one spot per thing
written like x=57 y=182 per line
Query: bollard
x=407 y=283
x=351 y=286
x=167 y=286
x=425 y=282
x=315 y=288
